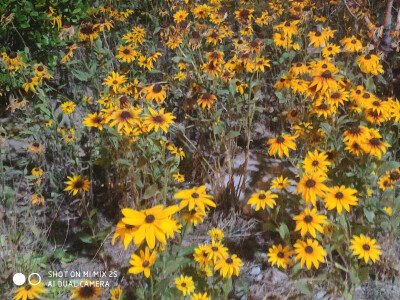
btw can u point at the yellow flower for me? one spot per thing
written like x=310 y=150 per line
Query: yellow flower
x=126 y=53
x=185 y=284
x=310 y=253
x=180 y=76
x=200 y=296
x=316 y=162
x=32 y=83
x=339 y=197
x=195 y=197
x=369 y=64
x=125 y=118
x=151 y=223
x=178 y=177
x=281 y=145
x=261 y=199
x=68 y=107
x=206 y=100
x=229 y=266
x=201 y=256
x=388 y=210
x=143 y=262
x=374 y=145
x=193 y=217
x=365 y=247
x=180 y=16
x=216 y=234
x=216 y=251
x=280 y=256
x=29 y=291
x=94 y=120
x=86 y=292
x=37 y=199
x=158 y=120
x=114 y=80
x=77 y=184
x=116 y=293
x=281 y=183
x=309 y=221
x=125 y=232
x=155 y=92
x=311 y=186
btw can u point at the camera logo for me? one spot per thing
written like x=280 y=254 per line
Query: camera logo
x=19 y=279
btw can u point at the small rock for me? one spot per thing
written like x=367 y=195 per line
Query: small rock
x=255 y=271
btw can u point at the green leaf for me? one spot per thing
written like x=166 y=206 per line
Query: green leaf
x=369 y=215
x=232 y=134
x=305 y=288
x=150 y=191
x=283 y=231
x=162 y=285
x=82 y=76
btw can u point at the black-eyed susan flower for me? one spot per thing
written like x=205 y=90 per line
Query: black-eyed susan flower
x=68 y=53
x=309 y=221
x=261 y=199
x=280 y=256
x=125 y=232
x=37 y=199
x=201 y=256
x=116 y=293
x=125 y=118
x=206 y=100
x=356 y=133
x=200 y=296
x=385 y=183
x=365 y=247
x=158 y=120
x=317 y=39
x=351 y=44
x=35 y=147
x=216 y=251
x=324 y=81
x=180 y=16
x=94 y=120
x=13 y=61
x=156 y=93
x=369 y=64
x=77 y=184
x=88 y=32
x=31 y=84
x=86 y=291
x=281 y=145
x=311 y=186
x=374 y=145
x=178 y=177
x=388 y=210
x=288 y=28
x=142 y=263
x=193 y=217
x=340 y=197
x=195 y=197
x=201 y=11
x=68 y=107
x=309 y=252
x=185 y=284
x=114 y=81
x=281 y=183
x=152 y=223
x=31 y=290
x=216 y=234
x=229 y=266
x=330 y=50
x=316 y=162
x=126 y=53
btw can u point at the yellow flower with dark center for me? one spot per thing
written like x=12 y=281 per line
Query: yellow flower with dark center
x=262 y=63
x=126 y=53
x=310 y=253
x=180 y=16
x=125 y=232
x=201 y=256
x=37 y=172
x=316 y=162
x=394 y=175
x=261 y=199
x=32 y=83
x=288 y=28
x=317 y=39
x=125 y=118
x=217 y=57
x=35 y=147
x=377 y=106
x=229 y=266
x=155 y=92
x=206 y=100
x=195 y=198
x=94 y=120
x=151 y=223
x=281 y=145
x=298 y=69
x=13 y=61
x=29 y=291
x=374 y=145
x=193 y=217
x=86 y=292
x=201 y=11
x=68 y=107
x=88 y=32
x=180 y=76
x=114 y=80
x=244 y=15
x=178 y=177
x=356 y=133
x=388 y=210
x=143 y=262
x=280 y=256
x=351 y=44
x=216 y=251
x=76 y=184
x=116 y=293
x=158 y=120
x=338 y=97
x=185 y=284
x=369 y=64
x=330 y=50
x=281 y=183
x=214 y=36
x=37 y=199
x=354 y=148
x=311 y=186
x=324 y=81
x=309 y=221
x=216 y=234
x=340 y=197
x=385 y=183
x=365 y=247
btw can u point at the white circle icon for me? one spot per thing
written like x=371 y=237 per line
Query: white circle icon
x=19 y=279
x=39 y=279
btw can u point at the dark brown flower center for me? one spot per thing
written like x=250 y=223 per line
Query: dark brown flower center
x=281 y=254
x=86 y=292
x=280 y=139
x=323 y=106
x=376 y=103
x=126 y=51
x=145 y=264
x=355 y=130
x=35 y=144
x=157 y=88
x=353 y=41
x=324 y=66
x=195 y=195
x=254 y=44
x=366 y=247
x=366 y=96
x=318 y=33
x=375 y=141
x=262 y=196
x=310 y=183
x=394 y=176
x=229 y=261
x=78 y=184
x=214 y=248
x=339 y=195
x=195 y=35
x=244 y=14
x=308 y=219
x=335 y=95
x=299 y=64
x=368 y=56
x=158 y=119
x=150 y=219
x=28 y=287
x=183 y=284
x=329 y=48
x=126 y=115
x=315 y=163
x=309 y=249
x=327 y=74
x=13 y=55
x=40 y=68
